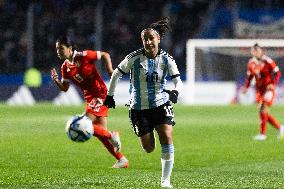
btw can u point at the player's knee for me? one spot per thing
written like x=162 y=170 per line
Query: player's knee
x=166 y=138
x=148 y=148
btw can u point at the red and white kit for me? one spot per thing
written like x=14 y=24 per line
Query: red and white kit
x=265 y=72
x=82 y=72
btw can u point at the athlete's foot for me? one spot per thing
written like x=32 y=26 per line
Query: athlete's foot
x=115 y=140
x=281 y=133
x=122 y=163
x=166 y=183
x=260 y=137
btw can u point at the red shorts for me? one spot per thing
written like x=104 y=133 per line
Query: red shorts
x=267 y=97
x=96 y=107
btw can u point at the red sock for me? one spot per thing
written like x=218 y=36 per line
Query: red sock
x=264 y=118
x=273 y=121
x=110 y=148
x=101 y=132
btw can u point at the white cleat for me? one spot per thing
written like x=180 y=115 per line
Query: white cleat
x=122 y=163
x=260 y=137
x=281 y=133
x=115 y=140
x=166 y=184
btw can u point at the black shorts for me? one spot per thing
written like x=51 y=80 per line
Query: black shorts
x=144 y=121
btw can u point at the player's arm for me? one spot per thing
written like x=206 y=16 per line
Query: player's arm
x=100 y=55
x=107 y=60
x=277 y=74
x=175 y=76
x=122 y=69
x=248 y=79
x=109 y=101
x=63 y=85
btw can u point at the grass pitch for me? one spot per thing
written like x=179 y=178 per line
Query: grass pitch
x=213 y=149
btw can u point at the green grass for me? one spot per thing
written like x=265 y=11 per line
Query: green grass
x=213 y=149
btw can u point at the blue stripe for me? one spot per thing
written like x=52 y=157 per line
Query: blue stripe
x=151 y=83
x=136 y=83
x=165 y=62
x=163 y=80
x=168 y=148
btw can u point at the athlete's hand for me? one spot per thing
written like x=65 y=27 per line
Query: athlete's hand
x=173 y=95
x=270 y=87
x=109 y=102
x=54 y=74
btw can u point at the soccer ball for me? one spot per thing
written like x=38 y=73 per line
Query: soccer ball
x=79 y=128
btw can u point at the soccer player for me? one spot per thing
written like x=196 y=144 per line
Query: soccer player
x=266 y=74
x=150 y=107
x=80 y=68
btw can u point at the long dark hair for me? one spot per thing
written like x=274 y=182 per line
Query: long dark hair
x=66 y=41
x=161 y=26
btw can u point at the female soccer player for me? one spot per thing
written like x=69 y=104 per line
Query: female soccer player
x=80 y=68
x=266 y=74
x=150 y=107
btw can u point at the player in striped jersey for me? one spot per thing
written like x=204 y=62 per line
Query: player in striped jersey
x=150 y=106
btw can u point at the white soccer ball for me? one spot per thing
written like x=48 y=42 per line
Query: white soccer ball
x=79 y=128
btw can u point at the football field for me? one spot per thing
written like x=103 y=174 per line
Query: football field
x=213 y=149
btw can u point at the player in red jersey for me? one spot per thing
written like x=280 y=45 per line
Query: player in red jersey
x=80 y=68
x=266 y=74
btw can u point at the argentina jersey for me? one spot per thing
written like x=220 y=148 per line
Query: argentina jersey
x=148 y=78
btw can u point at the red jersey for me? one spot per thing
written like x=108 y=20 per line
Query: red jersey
x=82 y=72
x=265 y=71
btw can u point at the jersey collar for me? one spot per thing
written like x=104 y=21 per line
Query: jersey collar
x=73 y=57
x=144 y=53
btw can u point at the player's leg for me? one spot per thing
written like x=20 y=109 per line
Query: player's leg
x=98 y=113
x=263 y=121
x=142 y=127
x=100 y=126
x=148 y=142
x=167 y=159
x=110 y=143
x=164 y=126
x=268 y=100
x=262 y=116
x=94 y=109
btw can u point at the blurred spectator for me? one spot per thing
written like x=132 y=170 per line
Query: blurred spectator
x=122 y=20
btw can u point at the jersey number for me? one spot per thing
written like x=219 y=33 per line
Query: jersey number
x=78 y=78
x=96 y=104
x=152 y=77
x=169 y=111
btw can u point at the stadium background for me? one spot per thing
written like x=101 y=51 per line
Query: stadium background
x=214 y=146
x=29 y=29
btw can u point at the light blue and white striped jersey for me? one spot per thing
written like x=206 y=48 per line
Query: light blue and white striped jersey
x=148 y=78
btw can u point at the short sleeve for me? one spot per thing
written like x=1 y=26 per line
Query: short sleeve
x=64 y=71
x=92 y=55
x=125 y=66
x=172 y=68
x=249 y=72
x=274 y=66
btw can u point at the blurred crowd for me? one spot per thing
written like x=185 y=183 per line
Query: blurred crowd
x=119 y=25
x=122 y=22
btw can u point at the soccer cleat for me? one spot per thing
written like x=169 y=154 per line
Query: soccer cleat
x=115 y=140
x=166 y=184
x=260 y=137
x=122 y=163
x=281 y=133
